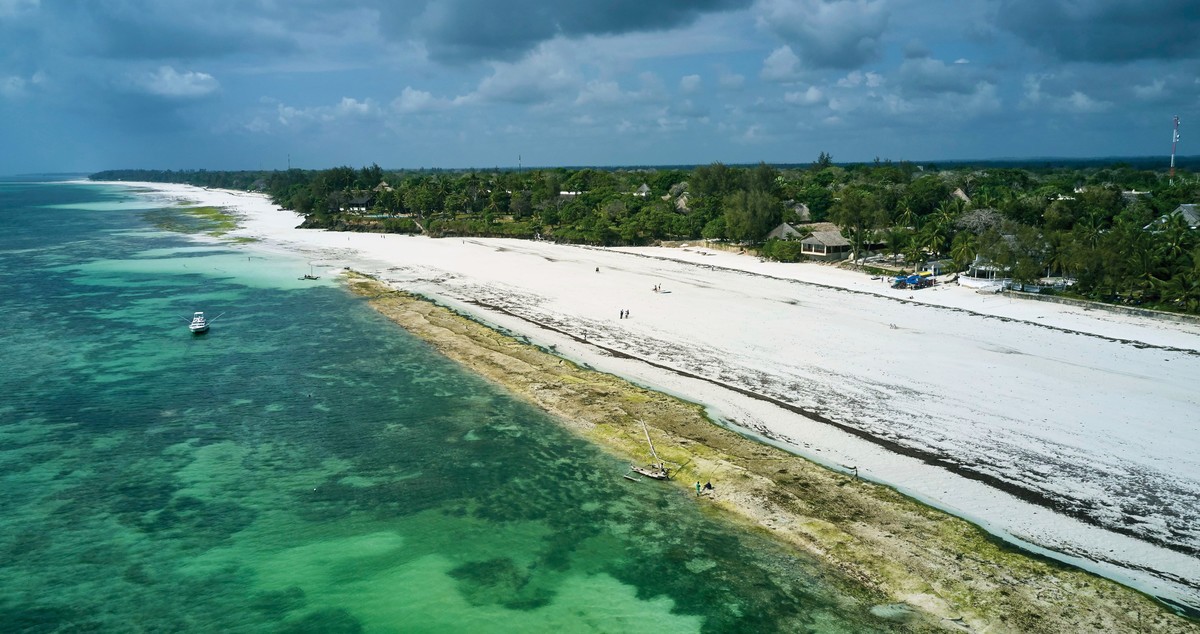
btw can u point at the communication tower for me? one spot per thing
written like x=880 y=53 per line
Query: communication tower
x=1174 y=143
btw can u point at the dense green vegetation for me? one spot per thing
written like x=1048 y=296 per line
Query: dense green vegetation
x=1072 y=221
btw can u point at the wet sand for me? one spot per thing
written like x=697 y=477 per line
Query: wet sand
x=914 y=554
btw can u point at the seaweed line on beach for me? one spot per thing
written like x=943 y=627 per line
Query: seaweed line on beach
x=928 y=457
x=871 y=532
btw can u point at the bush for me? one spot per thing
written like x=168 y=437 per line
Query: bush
x=783 y=250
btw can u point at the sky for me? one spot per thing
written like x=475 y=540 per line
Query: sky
x=263 y=84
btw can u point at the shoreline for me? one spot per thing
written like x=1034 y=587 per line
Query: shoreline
x=910 y=552
x=469 y=289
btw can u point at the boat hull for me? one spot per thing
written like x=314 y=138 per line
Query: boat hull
x=650 y=472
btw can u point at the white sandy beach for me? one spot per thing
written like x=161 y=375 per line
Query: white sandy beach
x=1070 y=429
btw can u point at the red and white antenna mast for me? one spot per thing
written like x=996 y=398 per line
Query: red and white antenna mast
x=1174 y=142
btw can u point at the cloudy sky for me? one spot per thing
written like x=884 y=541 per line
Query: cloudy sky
x=244 y=84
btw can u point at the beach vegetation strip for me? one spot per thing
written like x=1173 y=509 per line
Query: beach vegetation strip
x=909 y=553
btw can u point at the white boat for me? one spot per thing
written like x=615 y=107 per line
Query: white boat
x=199 y=324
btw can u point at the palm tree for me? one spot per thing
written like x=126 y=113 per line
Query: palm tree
x=897 y=239
x=963 y=250
x=935 y=234
x=1143 y=270
x=857 y=212
x=905 y=216
x=1183 y=291
x=1061 y=254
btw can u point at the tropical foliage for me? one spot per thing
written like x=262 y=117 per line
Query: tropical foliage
x=1107 y=228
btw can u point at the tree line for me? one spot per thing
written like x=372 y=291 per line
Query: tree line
x=1106 y=227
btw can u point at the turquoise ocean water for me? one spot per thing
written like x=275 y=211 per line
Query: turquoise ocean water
x=309 y=467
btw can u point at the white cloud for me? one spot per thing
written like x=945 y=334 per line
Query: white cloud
x=984 y=100
x=17 y=87
x=608 y=92
x=689 y=84
x=859 y=78
x=257 y=124
x=1080 y=102
x=781 y=65
x=539 y=77
x=168 y=82
x=346 y=109
x=350 y=107
x=1033 y=89
x=412 y=101
x=809 y=97
x=1154 y=90
x=1076 y=101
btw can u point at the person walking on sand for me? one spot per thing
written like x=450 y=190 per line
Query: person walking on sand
x=697 y=488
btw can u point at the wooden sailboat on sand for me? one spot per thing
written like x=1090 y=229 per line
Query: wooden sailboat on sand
x=658 y=469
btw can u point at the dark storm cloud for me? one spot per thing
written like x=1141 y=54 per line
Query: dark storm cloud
x=142 y=29
x=177 y=29
x=837 y=34
x=1105 y=30
x=475 y=30
x=449 y=30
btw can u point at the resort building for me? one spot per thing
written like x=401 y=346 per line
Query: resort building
x=1189 y=212
x=825 y=245
x=785 y=231
x=361 y=202
x=984 y=273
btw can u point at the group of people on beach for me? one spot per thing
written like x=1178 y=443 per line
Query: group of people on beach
x=624 y=314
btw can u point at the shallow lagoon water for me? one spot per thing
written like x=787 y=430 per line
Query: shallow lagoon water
x=308 y=467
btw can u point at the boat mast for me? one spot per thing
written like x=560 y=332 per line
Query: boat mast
x=650 y=442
